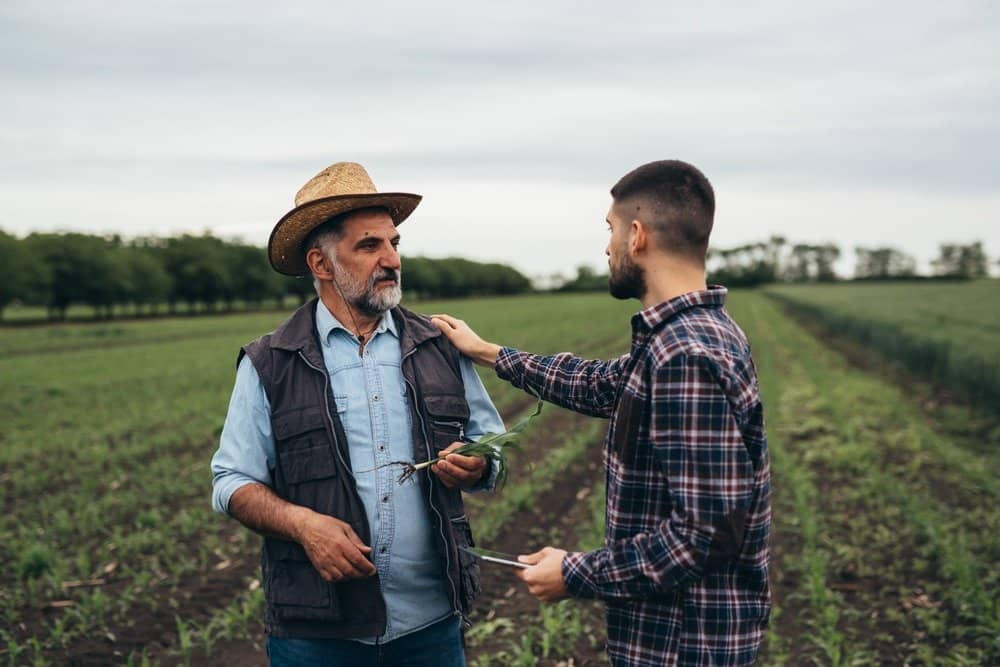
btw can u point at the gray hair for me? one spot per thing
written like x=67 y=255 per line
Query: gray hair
x=325 y=238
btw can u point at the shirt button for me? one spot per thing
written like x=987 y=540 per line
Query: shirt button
x=385 y=499
x=382 y=550
x=381 y=448
x=374 y=397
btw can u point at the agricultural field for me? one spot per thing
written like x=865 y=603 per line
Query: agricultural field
x=885 y=532
x=946 y=331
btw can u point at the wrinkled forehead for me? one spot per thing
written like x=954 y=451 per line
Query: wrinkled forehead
x=368 y=222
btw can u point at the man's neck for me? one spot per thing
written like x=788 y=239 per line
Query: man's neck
x=352 y=319
x=668 y=278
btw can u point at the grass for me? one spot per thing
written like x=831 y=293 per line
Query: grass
x=885 y=527
x=892 y=525
x=108 y=429
x=948 y=332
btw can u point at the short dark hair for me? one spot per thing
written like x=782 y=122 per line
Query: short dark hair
x=675 y=199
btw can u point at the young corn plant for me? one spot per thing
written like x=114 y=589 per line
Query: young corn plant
x=491 y=445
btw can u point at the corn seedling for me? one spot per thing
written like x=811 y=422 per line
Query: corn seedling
x=491 y=445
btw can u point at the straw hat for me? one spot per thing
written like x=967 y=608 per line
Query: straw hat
x=341 y=187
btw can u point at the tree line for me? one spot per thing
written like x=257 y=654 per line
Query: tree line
x=148 y=275
x=776 y=260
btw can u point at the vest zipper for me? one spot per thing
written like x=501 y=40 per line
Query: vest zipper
x=326 y=405
x=453 y=424
x=430 y=495
x=336 y=447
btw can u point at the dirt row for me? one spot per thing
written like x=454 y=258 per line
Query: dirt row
x=553 y=520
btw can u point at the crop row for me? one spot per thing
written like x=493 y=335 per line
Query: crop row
x=946 y=332
x=104 y=467
x=886 y=529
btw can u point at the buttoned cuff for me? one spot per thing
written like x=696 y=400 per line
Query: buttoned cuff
x=488 y=481
x=577 y=574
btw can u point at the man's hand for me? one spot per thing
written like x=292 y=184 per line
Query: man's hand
x=334 y=549
x=544 y=578
x=459 y=471
x=466 y=340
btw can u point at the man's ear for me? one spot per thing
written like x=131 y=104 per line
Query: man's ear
x=638 y=237
x=318 y=264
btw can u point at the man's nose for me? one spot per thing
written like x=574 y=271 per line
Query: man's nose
x=390 y=259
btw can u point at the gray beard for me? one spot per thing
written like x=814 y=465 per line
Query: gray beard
x=365 y=296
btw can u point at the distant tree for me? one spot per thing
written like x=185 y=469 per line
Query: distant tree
x=298 y=286
x=147 y=283
x=22 y=277
x=883 y=263
x=826 y=255
x=586 y=280
x=961 y=261
x=82 y=270
x=812 y=263
x=251 y=277
x=421 y=277
x=198 y=270
x=746 y=265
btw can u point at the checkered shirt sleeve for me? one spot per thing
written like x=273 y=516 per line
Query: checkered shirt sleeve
x=584 y=386
x=705 y=465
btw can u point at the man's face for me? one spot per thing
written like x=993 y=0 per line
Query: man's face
x=626 y=279
x=367 y=269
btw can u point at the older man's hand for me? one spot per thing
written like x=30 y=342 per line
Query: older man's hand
x=544 y=578
x=457 y=471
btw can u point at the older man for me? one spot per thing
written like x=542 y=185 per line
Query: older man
x=357 y=569
x=684 y=567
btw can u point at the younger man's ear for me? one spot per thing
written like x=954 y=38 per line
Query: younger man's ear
x=638 y=237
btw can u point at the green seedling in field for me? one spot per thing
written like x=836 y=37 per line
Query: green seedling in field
x=36 y=561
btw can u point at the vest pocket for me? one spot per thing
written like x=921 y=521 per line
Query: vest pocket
x=307 y=474
x=468 y=564
x=449 y=415
x=296 y=590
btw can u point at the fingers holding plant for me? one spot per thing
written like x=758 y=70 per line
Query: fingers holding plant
x=457 y=470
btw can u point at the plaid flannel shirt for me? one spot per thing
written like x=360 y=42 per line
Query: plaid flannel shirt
x=683 y=571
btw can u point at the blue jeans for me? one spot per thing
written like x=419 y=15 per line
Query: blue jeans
x=438 y=645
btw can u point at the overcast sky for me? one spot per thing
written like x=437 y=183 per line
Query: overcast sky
x=859 y=123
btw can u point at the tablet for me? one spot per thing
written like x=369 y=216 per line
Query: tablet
x=495 y=557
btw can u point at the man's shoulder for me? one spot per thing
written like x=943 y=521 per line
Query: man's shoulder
x=709 y=337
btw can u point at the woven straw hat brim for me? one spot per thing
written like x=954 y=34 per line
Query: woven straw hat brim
x=284 y=248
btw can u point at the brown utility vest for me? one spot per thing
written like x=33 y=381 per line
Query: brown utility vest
x=313 y=469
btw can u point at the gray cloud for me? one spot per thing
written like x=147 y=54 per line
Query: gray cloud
x=786 y=97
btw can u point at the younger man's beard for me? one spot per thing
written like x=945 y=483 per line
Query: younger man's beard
x=366 y=296
x=627 y=280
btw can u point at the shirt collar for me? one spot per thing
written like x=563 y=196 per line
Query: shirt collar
x=650 y=318
x=326 y=324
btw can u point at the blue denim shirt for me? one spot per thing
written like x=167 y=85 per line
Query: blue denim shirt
x=373 y=406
